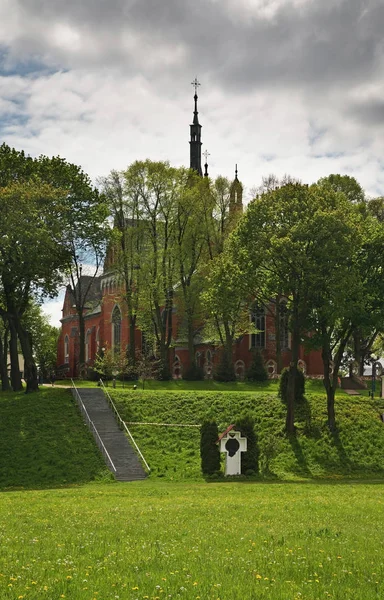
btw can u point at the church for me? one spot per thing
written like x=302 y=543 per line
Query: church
x=106 y=325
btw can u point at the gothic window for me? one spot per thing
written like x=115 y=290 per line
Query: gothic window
x=284 y=331
x=258 y=320
x=97 y=340
x=198 y=359
x=87 y=346
x=66 y=349
x=116 y=329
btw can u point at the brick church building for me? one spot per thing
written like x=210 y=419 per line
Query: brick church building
x=106 y=323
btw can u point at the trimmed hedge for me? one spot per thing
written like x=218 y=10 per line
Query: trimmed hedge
x=209 y=448
x=300 y=385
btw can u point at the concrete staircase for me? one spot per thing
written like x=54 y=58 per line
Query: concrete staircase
x=123 y=456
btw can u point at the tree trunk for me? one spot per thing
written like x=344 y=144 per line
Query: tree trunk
x=16 y=383
x=325 y=353
x=279 y=360
x=132 y=342
x=3 y=364
x=331 y=381
x=292 y=375
x=30 y=369
x=191 y=339
x=80 y=313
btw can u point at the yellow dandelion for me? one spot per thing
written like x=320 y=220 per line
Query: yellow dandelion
x=258 y=576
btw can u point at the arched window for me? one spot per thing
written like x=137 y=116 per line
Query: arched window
x=116 y=329
x=66 y=349
x=88 y=345
x=284 y=331
x=198 y=359
x=258 y=320
x=97 y=340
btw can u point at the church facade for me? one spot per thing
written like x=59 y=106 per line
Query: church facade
x=106 y=322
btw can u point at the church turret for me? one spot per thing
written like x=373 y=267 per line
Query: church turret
x=195 y=142
x=236 y=196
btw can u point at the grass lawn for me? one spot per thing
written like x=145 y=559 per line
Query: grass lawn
x=232 y=541
x=312 y=386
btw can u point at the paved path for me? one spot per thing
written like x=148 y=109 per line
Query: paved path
x=124 y=458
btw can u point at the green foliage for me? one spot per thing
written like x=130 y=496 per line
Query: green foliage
x=225 y=370
x=44 y=339
x=257 y=370
x=194 y=373
x=299 y=388
x=209 y=449
x=249 y=459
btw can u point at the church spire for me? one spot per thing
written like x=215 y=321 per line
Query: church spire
x=195 y=142
x=236 y=196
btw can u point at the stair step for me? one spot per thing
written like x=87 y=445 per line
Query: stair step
x=127 y=464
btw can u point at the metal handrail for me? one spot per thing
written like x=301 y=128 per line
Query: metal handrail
x=124 y=425
x=92 y=427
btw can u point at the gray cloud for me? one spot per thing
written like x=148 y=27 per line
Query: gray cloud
x=312 y=44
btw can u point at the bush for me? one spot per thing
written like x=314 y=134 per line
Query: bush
x=209 y=449
x=256 y=370
x=300 y=385
x=250 y=458
x=225 y=370
x=194 y=373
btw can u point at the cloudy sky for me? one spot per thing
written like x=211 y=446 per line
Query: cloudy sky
x=287 y=86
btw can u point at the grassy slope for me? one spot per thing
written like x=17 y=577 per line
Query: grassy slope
x=43 y=441
x=356 y=450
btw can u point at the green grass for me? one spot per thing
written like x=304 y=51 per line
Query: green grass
x=312 y=386
x=154 y=540
x=44 y=442
x=356 y=450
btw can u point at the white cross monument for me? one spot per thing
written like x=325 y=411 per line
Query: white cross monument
x=233 y=445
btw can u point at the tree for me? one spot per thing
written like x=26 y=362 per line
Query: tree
x=4 y=330
x=64 y=218
x=227 y=309
x=32 y=256
x=44 y=339
x=164 y=199
x=127 y=246
x=209 y=449
x=249 y=459
x=86 y=231
x=257 y=370
x=191 y=250
x=299 y=239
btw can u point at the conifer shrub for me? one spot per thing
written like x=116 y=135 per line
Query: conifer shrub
x=300 y=385
x=225 y=371
x=209 y=448
x=249 y=459
x=194 y=373
x=257 y=370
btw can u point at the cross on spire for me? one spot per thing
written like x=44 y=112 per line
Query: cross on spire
x=196 y=84
x=206 y=154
